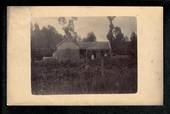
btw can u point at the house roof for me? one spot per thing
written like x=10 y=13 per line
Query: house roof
x=88 y=45
x=63 y=41
x=100 y=45
x=85 y=45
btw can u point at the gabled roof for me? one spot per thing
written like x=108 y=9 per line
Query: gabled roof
x=85 y=45
x=63 y=41
x=94 y=45
x=100 y=45
x=88 y=45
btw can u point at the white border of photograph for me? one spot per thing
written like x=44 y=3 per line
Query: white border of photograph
x=150 y=56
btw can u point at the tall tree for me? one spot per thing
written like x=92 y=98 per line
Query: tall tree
x=47 y=37
x=68 y=27
x=110 y=36
x=118 y=42
x=133 y=44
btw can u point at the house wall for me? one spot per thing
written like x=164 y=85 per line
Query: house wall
x=67 y=51
x=98 y=53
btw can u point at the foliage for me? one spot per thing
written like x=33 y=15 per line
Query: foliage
x=133 y=45
x=68 y=27
x=67 y=78
x=47 y=37
x=121 y=44
x=90 y=37
x=43 y=41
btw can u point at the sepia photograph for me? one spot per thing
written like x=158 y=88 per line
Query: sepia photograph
x=84 y=55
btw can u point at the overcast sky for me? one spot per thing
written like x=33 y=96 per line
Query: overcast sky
x=98 y=25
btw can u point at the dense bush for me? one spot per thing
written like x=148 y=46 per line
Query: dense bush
x=64 y=77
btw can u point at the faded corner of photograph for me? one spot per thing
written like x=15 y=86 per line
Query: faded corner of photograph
x=84 y=55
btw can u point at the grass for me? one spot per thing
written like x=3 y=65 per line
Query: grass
x=119 y=76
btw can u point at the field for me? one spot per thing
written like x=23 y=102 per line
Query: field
x=110 y=75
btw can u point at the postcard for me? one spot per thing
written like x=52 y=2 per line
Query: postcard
x=88 y=55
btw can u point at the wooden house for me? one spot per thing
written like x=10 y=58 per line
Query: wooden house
x=67 y=50
x=74 y=51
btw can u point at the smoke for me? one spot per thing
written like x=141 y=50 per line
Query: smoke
x=68 y=26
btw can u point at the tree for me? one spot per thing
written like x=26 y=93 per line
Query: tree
x=110 y=36
x=62 y=21
x=35 y=35
x=133 y=37
x=133 y=44
x=126 y=38
x=116 y=39
x=47 y=37
x=44 y=41
x=90 y=37
x=68 y=27
x=110 y=18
